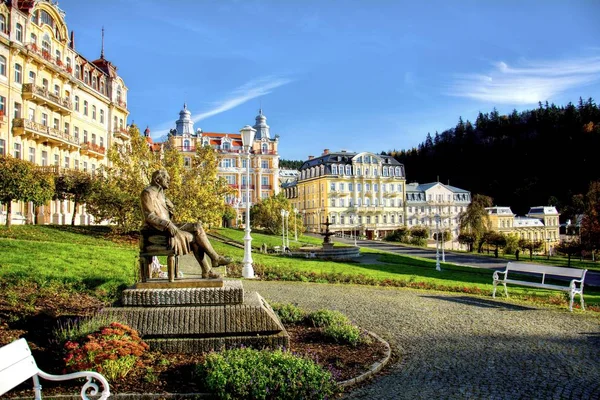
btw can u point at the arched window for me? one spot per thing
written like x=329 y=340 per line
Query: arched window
x=2 y=65
x=348 y=170
x=334 y=169
x=85 y=107
x=2 y=23
x=186 y=145
x=119 y=93
x=101 y=116
x=93 y=112
x=264 y=148
x=226 y=146
x=115 y=124
x=398 y=171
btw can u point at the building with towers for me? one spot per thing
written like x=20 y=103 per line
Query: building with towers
x=264 y=163
x=58 y=109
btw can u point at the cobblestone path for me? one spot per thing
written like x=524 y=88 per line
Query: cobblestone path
x=452 y=346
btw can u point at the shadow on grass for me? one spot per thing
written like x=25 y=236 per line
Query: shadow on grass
x=482 y=303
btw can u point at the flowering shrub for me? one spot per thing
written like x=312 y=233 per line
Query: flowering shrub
x=343 y=333
x=112 y=351
x=321 y=318
x=288 y=313
x=264 y=374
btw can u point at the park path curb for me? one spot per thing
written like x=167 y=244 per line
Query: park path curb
x=375 y=367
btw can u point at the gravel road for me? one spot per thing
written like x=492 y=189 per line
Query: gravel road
x=452 y=346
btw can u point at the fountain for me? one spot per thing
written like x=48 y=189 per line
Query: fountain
x=328 y=250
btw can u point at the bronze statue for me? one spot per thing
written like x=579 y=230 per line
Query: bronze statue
x=184 y=238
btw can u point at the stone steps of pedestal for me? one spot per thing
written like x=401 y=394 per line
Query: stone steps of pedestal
x=232 y=292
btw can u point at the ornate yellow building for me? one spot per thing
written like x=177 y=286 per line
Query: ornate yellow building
x=539 y=224
x=264 y=161
x=57 y=108
x=361 y=193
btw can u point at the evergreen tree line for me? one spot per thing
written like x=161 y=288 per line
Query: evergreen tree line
x=544 y=156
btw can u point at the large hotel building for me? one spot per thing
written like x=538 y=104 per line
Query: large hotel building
x=367 y=194
x=58 y=109
x=264 y=161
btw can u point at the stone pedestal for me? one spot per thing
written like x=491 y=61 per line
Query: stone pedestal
x=199 y=319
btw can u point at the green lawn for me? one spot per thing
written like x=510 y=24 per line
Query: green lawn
x=271 y=240
x=86 y=258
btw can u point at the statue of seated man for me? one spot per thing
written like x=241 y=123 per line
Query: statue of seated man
x=157 y=211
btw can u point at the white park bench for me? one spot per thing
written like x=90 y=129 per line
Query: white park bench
x=17 y=365
x=539 y=272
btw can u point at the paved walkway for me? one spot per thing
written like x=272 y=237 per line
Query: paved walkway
x=452 y=346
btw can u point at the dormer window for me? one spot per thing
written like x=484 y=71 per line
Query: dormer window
x=226 y=146
x=264 y=148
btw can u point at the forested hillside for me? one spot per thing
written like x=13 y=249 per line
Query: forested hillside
x=531 y=158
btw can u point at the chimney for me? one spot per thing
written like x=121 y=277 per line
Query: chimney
x=72 y=44
x=311 y=157
x=325 y=152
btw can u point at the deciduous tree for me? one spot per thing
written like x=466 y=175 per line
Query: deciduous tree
x=475 y=219
x=16 y=183
x=75 y=186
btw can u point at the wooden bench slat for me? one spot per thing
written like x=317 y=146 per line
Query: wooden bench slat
x=545 y=269
x=538 y=285
x=17 y=373
x=13 y=352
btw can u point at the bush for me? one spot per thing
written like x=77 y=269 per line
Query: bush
x=288 y=313
x=112 y=351
x=343 y=333
x=323 y=318
x=263 y=374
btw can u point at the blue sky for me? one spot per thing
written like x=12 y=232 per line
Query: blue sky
x=355 y=75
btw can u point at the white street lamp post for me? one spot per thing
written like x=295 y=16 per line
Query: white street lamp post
x=295 y=229
x=437 y=244
x=287 y=229
x=443 y=245
x=247 y=139
x=282 y=228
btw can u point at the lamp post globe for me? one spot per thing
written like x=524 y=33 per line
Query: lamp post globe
x=247 y=133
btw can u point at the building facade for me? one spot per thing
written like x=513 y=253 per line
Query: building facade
x=57 y=109
x=435 y=205
x=539 y=224
x=264 y=160
x=360 y=193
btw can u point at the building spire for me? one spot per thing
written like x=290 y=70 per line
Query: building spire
x=102 y=50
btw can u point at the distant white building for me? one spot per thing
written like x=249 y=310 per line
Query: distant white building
x=426 y=201
x=539 y=224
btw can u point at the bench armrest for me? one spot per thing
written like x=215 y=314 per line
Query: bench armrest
x=574 y=283
x=90 y=387
x=496 y=273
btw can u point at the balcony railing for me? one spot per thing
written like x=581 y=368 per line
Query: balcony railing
x=37 y=131
x=265 y=186
x=244 y=186
x=185 y=148
x=54 y=62
x=42 y=96
x=2 y=118
x=121 y=104
x=93 y=149
x=121 y=133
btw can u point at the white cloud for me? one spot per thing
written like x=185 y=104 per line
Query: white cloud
x=248 y=91
x=527 y=84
